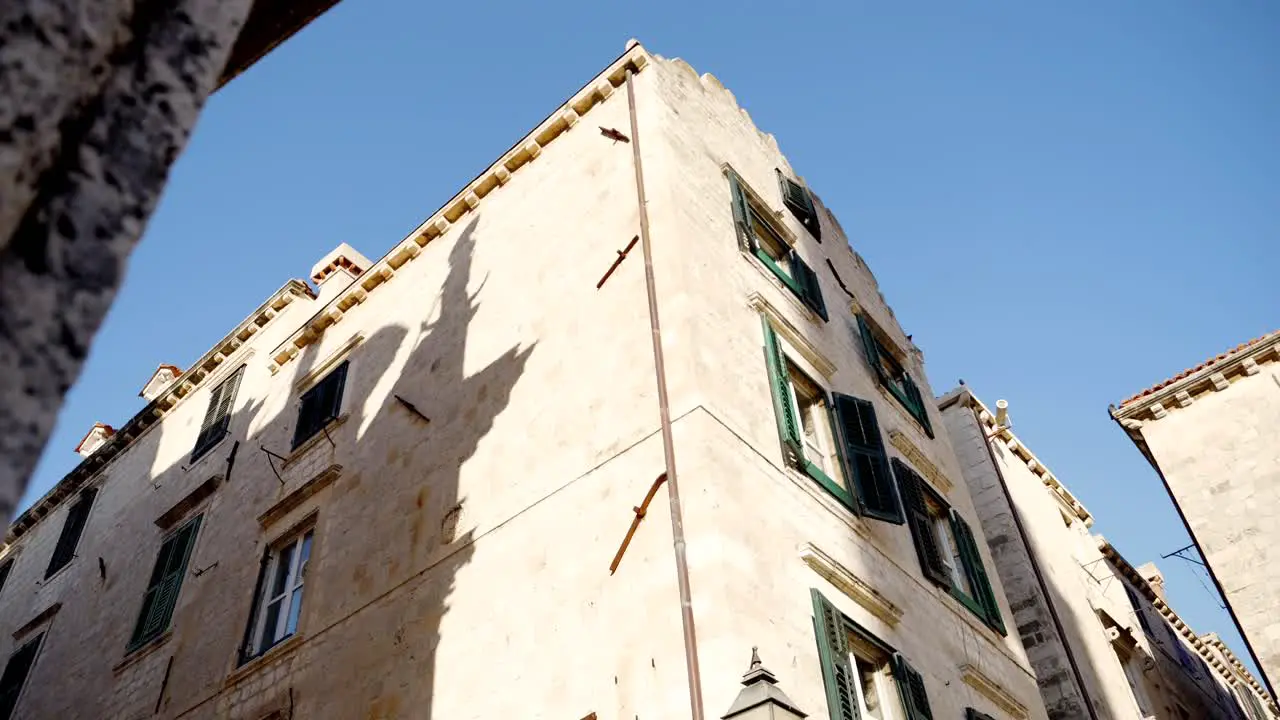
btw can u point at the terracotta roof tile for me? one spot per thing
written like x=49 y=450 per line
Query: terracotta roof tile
x=1202 y=366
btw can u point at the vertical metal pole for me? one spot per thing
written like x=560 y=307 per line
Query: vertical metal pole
x=664 y=409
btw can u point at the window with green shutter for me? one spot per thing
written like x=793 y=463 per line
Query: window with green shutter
x=798 y=200
x=758 y=236
x=915 y=699
x=320 y=405
x=217 y=416
x=979 y=581
x=15 y=675
x=859 y=671
x=166 y=582
x=893 y=376
x=72 y=529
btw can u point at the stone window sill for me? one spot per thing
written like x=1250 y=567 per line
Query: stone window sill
x=321 y=436
x=277 y=652
x=133 y=656
x=776 y=282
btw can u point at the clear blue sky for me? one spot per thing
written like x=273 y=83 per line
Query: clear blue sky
x=1062 y=205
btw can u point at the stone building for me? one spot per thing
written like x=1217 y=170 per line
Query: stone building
x=398 y=493
x=1209 y=432
x=1100 y=634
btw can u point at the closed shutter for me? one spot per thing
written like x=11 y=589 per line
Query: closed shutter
x=166 y=582
x=915 y=700
x=77 y=516
x=741 y=215
x=320 y=404
x=865 y=462
x=800 y=202
x=912 y=488
x=783 y=405
x=15 y=676
x=217 y=417
x=978 y=577
x=915 y=403
x=810 y=289
x=833 y=651
x=871 y=349
x=5 y=569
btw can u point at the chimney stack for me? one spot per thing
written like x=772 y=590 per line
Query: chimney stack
x=97 y=436
x=337 y=270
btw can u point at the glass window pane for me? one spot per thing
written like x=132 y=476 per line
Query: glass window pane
x=269 y=624
x=283 y=562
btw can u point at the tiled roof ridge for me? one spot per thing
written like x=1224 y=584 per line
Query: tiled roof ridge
x=1211 y=362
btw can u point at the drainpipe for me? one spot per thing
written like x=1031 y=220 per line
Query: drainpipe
x=1035 y=566
x=664 y=409
x=1146 y=452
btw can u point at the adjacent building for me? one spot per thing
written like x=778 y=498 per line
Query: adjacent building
x=1210 y=434
x=1100 y=634
x=397 y=490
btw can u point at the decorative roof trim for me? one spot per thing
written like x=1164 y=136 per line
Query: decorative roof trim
x=635 y=58
x=156 y=409
x=851 y=585
x=1214 y=641
x=1200 y=646
x=107 y=430
x=1070 y=505
x=1212 y=375
x=993 y=691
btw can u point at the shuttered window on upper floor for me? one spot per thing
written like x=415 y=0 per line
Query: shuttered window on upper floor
x=320 y=405
x=72 y=529
x=833 y=438
x=15 y=675
x=5 y=569
x=759 y=236
x=217 y=416
x=889 y=370
x=863 y=676
x=800 y=202
x=166 y=582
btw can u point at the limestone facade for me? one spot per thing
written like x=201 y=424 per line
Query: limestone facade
x=1103 y=640
x=489 y=423
x=1209 y=435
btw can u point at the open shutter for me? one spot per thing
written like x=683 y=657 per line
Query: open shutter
x=247 y=650
x=864 y=458
x=870 y=348
x=783 y=406
x=911 y=487
x=15 y=676
x=336 y=382
x=800 y=202
x=810 y=289
x=741 y=215
x=911 y=685
x=916 y=402
x=77 y=517
x=978 y=577
x=833 y=651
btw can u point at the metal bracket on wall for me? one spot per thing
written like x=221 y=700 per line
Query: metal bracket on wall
x=622 y=255
x=273 y=465
x=635 y=523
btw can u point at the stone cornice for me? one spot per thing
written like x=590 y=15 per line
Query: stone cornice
x=993 y=691
x=1243 y=672
x=464 y=202
x=851 y=585
x=1201 y=646
x=793 y=337
x=917 y=459
x=180 y=388
x=1066 y=501
x=1215 y=375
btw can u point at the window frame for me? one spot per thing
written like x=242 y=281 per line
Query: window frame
x=1136 y=603
x=299 y=541
x=896 y=380
x=6 y=569
x=303 y=432
x=798 y=277
x=64 y=552
x=35 y=645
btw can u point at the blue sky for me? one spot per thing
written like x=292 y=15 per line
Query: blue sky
x=1063 y=205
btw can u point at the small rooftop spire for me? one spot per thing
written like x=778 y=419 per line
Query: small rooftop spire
x=760 y=695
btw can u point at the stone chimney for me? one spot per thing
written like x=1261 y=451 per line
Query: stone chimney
x=1154 y=578
x=97 y=436
x=160 y=381
x=337 y=270
x=760 y=697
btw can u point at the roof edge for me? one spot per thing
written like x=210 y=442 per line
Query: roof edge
x=1233 y=364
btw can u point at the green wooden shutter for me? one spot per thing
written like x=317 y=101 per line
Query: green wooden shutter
x=810 y=289
x=217 y=417
x=912 y=488
x=800 y=202
x=870 y=348
x=833 y=651
x=915 y=402
x=864 y=458
x=247 y=650
x=166 y=582
x=15 y=676
x=72 y=529
x=915 y=700
x=783 y=408
x=977 y=572
x=741 y=215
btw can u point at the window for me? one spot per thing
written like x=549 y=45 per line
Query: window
x=759 y=236
x=320 y=405
x=1250 y=703
x=800 y=203
x=893 y=376
x=830 y=438
x=864 y=678
x=5 y=569
x=77 y=516
x=1134 y=675
x=166 y=581
x=278 y=597
x=1137 y=609
x=946 y=546
x=15 y=676
x=217 y=416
